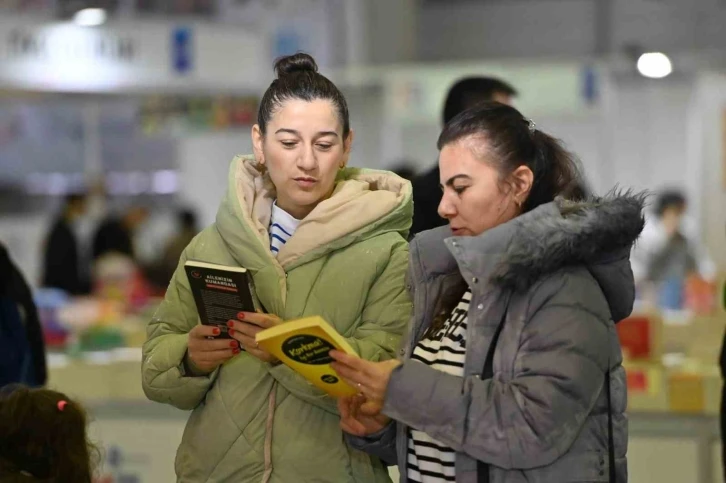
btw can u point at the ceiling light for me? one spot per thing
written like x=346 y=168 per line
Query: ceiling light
x=655 y=65
x=90 y=17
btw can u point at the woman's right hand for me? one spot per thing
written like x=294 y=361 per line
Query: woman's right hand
x=361 y=418
x=207 y=354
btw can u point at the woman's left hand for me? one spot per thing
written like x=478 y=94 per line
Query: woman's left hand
x=246 y=327
x=370 y=378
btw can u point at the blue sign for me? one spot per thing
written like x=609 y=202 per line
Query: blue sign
x=182 y=48
x=287 y=42
x=589 y=84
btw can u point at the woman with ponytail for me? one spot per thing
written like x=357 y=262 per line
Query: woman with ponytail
x=512 y=367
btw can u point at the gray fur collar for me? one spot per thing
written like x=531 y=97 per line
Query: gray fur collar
x=516 y=254
x=594 y=232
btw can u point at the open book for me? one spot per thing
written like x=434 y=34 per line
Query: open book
x=304 y=345
x=220 y=293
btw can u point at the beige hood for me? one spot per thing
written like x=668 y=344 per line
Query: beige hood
x=364 y=203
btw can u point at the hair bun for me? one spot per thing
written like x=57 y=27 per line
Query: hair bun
x=290 y=64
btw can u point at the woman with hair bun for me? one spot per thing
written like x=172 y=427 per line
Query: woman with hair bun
x=319 y=238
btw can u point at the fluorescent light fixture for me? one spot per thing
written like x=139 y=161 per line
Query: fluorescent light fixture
x=655 y=65
x=90 y=17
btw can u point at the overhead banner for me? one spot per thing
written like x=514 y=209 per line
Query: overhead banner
x=125 y=57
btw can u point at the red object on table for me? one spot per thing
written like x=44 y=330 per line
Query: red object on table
x=636 y=335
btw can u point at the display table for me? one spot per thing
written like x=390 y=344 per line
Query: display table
x=139 y=438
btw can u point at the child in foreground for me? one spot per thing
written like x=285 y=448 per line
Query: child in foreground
x=43 y=437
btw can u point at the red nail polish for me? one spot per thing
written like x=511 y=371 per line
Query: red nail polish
x=235 y=351
x=215 y=331
x=233 y=344
x=230 y=332
x=241 y=315
x=230 y=324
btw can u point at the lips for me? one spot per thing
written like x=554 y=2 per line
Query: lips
x=305 y=182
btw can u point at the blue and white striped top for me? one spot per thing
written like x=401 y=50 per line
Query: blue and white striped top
x=282 y=227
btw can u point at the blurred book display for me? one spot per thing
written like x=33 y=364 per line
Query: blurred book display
x=671 y=350
x=180 y=114
x=114 y=316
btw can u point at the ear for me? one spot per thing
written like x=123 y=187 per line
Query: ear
x=521 y=181
x=257 y=141
x=347 y=144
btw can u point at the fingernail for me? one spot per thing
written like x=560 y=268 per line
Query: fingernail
x=215 y=331
x=230 y=332
x=230 y=324
x=235 y=351
x=234 y=344
x=241 y=315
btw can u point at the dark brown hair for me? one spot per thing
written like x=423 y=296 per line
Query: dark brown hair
x=469 y=91
x=514 y=142
x=298 y=78
x=39 y=442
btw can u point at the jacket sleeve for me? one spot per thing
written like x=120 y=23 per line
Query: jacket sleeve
x=381 y=444
x=166 y=345
x=526 y=422
x=384 y=318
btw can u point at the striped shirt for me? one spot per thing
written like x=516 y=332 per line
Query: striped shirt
x=282 y=227
x=429 y=461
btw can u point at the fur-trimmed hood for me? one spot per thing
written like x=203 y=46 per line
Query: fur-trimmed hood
x=597 y=233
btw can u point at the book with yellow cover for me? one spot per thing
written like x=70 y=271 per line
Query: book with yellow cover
x=304 y=346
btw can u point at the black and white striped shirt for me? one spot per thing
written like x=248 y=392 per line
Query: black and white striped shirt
x=429 y=461
x=282 y=227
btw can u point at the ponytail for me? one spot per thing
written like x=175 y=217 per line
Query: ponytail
x=516 y=141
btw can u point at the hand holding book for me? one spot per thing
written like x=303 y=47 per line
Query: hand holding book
x=370 y=378
x=205 y=352
x=246 y=328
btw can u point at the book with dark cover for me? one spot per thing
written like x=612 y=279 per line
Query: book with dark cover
x=220 y=293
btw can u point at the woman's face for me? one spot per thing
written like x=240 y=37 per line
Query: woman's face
x=303 y=149
x=475 y=197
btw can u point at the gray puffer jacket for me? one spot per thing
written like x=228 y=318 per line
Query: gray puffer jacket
x=565 y=271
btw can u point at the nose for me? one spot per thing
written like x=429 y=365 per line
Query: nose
x=307 y=160
x=447 y=208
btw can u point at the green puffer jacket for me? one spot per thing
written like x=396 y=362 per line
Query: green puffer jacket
x=253 y=422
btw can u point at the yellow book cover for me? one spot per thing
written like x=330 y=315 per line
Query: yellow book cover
x=304 y=345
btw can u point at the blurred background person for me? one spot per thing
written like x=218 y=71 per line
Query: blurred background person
x=22 y=349
x=405 y=169
x=116 y=233
x=463 y=94
x=161 y=271
x=666 y=254
x=64 y=266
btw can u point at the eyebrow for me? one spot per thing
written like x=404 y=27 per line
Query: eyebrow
x=450 y=181
x=297 y=133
